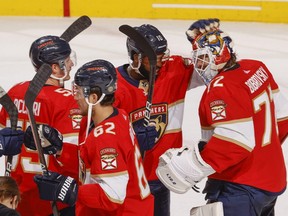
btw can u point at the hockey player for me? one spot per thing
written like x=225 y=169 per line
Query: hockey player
x=115 y=181
x=173 y=79
x=54 y=106
x=244 y=120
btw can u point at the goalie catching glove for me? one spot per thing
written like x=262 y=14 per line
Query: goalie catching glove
x=180 y=169
x=56 y=187
x=51 y=139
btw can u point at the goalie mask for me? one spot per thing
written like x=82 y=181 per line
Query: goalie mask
x=211 y=52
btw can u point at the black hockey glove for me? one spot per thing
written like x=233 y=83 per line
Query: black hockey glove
x=146 y=137
x=10 y=141
x=51 y=139
x=56 y=187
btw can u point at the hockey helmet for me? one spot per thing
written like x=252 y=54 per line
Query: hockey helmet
x=154 y=37
x=98 y=73
x=49 y=49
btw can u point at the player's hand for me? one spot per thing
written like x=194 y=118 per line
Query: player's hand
x=201 y=26
x=51 y=139
x=11 y=141
x=146 y=136
x=56 y=187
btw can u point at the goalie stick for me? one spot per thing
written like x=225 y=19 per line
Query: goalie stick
x=76 y=28
x=33 y=90
x=150 y=53
x=12 y=111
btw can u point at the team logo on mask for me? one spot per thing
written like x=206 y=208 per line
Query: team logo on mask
x=108 y=159
x=218 y=111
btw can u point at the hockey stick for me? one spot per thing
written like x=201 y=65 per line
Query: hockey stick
x=33 y=90
x=150 y=53
x=76 y=28
x=12 y=111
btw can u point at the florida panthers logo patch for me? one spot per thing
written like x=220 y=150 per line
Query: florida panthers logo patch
x=76 y=118
x=108 y=159
x=218 y=111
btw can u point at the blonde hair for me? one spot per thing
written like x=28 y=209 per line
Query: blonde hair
x=8 y=188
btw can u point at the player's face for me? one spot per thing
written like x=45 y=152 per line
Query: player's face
x=78 y=94
x=202 y=62
x=69 y=62
x=161 y=59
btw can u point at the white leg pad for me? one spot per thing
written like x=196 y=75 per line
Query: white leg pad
x=211 y=209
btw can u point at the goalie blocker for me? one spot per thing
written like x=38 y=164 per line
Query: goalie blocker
x=180 y=169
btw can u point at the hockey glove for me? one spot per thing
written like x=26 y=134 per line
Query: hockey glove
x=51 y=139
x=56 y=187
x=146 y=137
x=200 y=27
x=11 y=141
x=180 y=169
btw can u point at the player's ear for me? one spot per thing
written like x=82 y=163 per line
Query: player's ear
x=55 y=69
x=93 y=98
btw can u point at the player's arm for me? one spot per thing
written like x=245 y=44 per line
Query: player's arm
x=281 y=110
x=106 y=185
x=104 y=192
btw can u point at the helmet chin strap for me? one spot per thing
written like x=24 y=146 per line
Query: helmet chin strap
x=60 y=79
x=136 y=69
x=90 y=105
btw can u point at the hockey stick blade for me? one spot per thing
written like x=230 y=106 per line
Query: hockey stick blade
x=32 y=92
x=150 y=53
x=76 y=28
x=12 y=111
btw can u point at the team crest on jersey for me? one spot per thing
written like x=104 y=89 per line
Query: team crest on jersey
x=144 y=85
x=158 y=116
x=108 y=158
x=76 y=118
x=218 y=111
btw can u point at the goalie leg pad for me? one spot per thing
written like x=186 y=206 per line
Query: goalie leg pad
x=211 y=209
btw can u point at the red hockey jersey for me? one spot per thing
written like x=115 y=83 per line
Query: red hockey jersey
x=116 y=183
x=56 y=107
x=239 y=112
x=170 y=87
